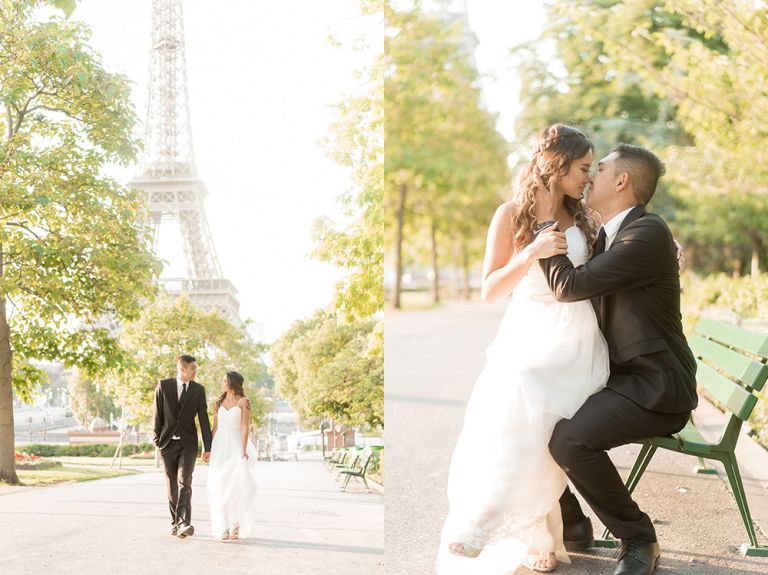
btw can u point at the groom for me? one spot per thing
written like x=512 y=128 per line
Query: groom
x=177 y=401
x=634 y=284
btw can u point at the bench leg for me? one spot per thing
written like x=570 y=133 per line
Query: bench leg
x=642 y=461
x=734 y=478
x=346 y=481
x=703 y=469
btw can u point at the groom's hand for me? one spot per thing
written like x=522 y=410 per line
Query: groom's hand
x=207 y=456
x=680 y=254
x=546 y=199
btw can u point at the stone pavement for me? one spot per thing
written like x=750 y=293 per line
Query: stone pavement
x=120 y=525
x=432 y=358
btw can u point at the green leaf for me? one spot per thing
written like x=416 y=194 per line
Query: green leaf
x=67 y=6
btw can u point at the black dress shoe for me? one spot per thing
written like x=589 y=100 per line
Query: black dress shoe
x=578 y=536
x=637 y=557
x=185 y=530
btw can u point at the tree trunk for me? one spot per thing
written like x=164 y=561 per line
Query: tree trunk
x=736 y=263
x=757 y=248
x=7 y=440
x=435 y=272
x=465 y=266
x=403 y=192
x=455 y=270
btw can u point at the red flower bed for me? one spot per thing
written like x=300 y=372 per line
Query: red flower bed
x=24 y=457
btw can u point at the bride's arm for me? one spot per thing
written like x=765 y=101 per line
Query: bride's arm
x=215 y=421
x=502 y=268
x=245 y=410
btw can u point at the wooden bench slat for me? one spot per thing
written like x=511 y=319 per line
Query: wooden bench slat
x=750 y=372
x=735 y=336
x=737 y=399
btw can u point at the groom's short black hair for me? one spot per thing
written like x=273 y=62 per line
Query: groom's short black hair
x=185 y=358
x=644 y=169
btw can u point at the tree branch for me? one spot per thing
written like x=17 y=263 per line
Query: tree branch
x=23 y=227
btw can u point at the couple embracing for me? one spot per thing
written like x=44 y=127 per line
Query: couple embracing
x=590 y=355
x=227 y=449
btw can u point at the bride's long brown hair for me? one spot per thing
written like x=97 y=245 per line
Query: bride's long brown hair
x=558 y=146
x=235 y=382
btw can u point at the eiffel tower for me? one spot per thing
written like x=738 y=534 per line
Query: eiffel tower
x=167 y=172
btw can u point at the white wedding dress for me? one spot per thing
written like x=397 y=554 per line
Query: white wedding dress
x=503 y=485
x=231 y=478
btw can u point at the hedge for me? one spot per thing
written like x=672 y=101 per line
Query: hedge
x=85 y=450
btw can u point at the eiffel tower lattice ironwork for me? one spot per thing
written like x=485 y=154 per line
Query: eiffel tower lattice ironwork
x=167 y=171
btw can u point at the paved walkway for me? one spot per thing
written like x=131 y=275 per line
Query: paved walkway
x=432 y=358
x=120 y=525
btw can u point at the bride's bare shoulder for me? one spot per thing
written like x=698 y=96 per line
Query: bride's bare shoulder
x=503 y=216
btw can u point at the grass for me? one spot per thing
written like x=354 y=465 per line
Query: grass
x=65 y=474
x=77 y=469
x=422 y=300
x=103 y=461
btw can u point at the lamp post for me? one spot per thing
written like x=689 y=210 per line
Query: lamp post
x=323 y=427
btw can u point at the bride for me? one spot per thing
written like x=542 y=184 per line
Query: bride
x=547 y=358
x=231 y=472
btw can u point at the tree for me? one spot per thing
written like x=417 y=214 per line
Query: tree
x=170 y=327
x=325 y=368
x=715 y=76
x=683 y=78
x=349 y=386
x=89 y=399
x=444 y=162
x=589 y=85
x=357 y=140
x=71 y=252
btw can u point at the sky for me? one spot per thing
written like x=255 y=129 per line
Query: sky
x=499 y=27
x=262 y=80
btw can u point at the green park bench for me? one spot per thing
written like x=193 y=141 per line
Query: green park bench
x=349 y=462
x=335 y=457
x=365 y=461
x=731 y=368
x=340 y=458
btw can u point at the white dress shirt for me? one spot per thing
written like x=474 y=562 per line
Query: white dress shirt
x=612 y=226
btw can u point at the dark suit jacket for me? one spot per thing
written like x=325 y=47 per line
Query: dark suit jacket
x=174 y=419
x=636 y=284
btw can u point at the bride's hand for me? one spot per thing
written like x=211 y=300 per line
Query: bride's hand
x=548 y=243
x=245 y=455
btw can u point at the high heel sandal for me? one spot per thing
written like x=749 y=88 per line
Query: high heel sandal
x=224 y=536
x=235 y=533
x=533 y=558
x=464 y=549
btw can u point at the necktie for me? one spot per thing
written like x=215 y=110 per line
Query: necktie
x=600 y=244
x=183 y=392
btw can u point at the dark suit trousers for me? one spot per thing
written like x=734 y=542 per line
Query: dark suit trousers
x=179 y=465
x=578 y=445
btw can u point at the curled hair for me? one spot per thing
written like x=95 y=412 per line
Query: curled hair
x=235 y=382
x=558 y=146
